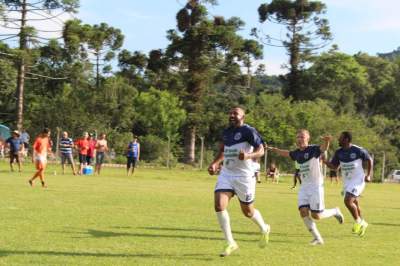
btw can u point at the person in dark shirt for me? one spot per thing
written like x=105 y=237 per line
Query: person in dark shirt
x=15 y=146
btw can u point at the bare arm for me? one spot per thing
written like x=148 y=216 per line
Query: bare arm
x=213 y=168
x=284 y=153
x=138 y=151
x=257 y=153
x=369 y=169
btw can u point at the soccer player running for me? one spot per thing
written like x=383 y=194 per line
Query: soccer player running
x=350 y=158
x=241 y=144
x=66 y=145
x=41 y=148
x=311 y=192
x=132 y=156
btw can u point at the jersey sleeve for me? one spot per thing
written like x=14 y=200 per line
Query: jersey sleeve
x=254 y=138
x=364 y=155
x=335 y=159
x=315 y=151
x=293 y=155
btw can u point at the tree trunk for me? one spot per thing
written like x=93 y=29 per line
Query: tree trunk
x=21 y=69
x=98 y=70
x=190 y=142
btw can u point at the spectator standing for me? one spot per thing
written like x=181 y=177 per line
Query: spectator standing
x=66 y=145
x=15 y=146
x=82 y=145
x=92 y=149
x=101 y=149
x=133 y=155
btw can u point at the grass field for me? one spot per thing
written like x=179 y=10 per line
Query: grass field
x=162 y=217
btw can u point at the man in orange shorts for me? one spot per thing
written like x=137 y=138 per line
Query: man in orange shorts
x=41 y=147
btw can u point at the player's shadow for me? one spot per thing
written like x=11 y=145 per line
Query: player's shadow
x=217 y=231
x=189 y=256
x=94 y=233
x=194 y=230
x=386 y=224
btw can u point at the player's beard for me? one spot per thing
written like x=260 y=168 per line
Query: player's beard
x=234 y=122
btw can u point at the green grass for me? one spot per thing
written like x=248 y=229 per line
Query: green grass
x=161 y=217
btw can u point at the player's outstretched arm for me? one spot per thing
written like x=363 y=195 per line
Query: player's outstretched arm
x=214 y=166
x=284 y=153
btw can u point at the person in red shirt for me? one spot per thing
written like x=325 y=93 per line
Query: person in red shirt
x=41 y=147
x=92 y=148
x=83 y=146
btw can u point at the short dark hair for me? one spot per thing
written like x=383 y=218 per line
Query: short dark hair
x=347 y=135
x=46 y=130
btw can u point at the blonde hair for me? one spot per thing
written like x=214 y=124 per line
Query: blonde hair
x=303 y=130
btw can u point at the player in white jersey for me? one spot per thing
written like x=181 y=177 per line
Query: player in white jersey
x=311 y=192
x=350 y=158
x=241 y=144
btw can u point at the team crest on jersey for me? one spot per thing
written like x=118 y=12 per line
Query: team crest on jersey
x=237 y=136
x=352 y=155
x=306 y=155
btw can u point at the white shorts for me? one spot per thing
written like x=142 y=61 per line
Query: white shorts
x=354 y=188
x=256 y=167
x=244 y=187
x=41 y=158
x=312 y=197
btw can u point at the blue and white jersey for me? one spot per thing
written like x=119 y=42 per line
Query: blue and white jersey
x=351 y=162
x=309 y=165
x=244 y=138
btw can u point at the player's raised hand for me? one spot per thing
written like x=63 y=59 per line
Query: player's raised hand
x=327 y=138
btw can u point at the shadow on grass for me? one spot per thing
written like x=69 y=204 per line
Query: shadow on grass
x=94 y=233
x=190 y=256
x=216 y=231
x=386 y=224
x=194 y=230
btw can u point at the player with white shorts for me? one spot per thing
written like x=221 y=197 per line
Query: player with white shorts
x=311 y=192
x=350 y=158
x=241 y=144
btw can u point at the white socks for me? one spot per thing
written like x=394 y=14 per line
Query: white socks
x=359 y=220
x=312 y=227
x=258 y=220
x=328 y=213
x=224 y=222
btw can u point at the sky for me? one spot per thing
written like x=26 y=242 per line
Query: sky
x=370 y=26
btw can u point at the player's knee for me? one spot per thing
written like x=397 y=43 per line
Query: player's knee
x=248 y=213
x=219 y=207
x=315 y=215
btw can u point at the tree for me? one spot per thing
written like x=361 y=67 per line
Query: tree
x=28 y=34
x=101 y=41
x=195 y=52
x=339 y=79
x=382 y=77
x=307 y=32
x=8 y=76
x=160 y=112
x=251 y=50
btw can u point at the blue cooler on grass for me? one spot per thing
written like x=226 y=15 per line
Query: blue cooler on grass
x=88 y=170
